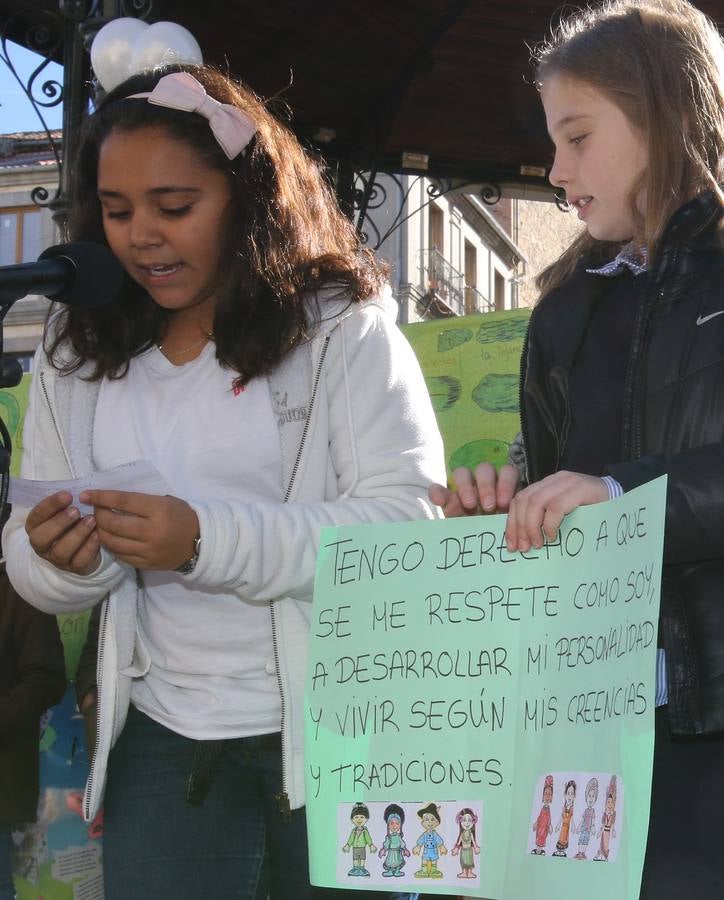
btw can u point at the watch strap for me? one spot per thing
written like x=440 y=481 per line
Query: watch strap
x=190 y=564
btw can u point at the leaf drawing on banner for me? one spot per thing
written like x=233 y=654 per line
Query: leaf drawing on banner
x=444 y=391
x=451 y=338
x=491 y=332
x=497 y=393
x=474 y=452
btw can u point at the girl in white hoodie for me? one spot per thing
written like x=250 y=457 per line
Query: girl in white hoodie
x=253 y=359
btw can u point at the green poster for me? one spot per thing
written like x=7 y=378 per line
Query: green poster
x=479 y=722
x=472 y=369
x=13 y=404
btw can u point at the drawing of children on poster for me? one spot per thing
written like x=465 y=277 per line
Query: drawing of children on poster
x=587 y=825
x=393 y=850
x=430 y=844
x=608 y=820
x=542 y=825
x=359 y=840
x=564 y=823
x=466 y=844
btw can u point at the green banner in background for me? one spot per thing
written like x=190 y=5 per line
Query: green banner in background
x=13 y=404
x=504 y=703
x=472 y=370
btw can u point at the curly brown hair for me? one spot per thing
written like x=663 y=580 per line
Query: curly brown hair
x=287 y=240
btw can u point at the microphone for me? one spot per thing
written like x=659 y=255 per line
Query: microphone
x=80 y=274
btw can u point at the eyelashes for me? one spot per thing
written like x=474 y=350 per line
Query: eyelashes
x=175 y=212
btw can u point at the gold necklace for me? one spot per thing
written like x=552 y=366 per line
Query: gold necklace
x=206 y=337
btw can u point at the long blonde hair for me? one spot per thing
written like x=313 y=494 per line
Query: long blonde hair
x=662 y=63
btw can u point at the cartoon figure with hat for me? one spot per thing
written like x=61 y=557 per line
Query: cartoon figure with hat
x=359 y=840
x=430 y=844
x=394 y=849
x=608 y=820
x=587 y=825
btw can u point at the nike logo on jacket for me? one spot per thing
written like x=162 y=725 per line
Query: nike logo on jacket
x=701 y=319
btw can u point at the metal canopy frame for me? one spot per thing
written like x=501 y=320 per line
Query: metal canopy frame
x=435 y=88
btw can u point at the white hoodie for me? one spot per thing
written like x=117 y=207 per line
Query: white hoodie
x=359 y=443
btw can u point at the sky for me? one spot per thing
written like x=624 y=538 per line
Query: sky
x=16 y=112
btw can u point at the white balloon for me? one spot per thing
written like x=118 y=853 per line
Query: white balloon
x=112 y=50
x=164 y=44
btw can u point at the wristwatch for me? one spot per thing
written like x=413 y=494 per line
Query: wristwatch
x=190 y=564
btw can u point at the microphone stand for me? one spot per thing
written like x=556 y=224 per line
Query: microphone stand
x=11 y=374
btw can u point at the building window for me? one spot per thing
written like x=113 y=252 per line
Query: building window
x=499 y=289
x=436 y=220
x=471 y=278
x=20 y=235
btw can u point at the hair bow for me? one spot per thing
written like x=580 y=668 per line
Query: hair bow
x=231 y=127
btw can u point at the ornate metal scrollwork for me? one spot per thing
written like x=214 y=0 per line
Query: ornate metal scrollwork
x=490 y=194
x=52 y=38
x=370 y=193
x=367 y=194
x=438 y=187
x=40 y=196
x=137 y=9
x=45 y=38
x=374 y=199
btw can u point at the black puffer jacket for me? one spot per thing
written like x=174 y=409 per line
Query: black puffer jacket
x=673 y=424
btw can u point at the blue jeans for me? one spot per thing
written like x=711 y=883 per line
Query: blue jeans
x=235 y=845
x=7 y=891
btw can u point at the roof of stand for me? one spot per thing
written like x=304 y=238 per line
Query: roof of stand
x=446 y=78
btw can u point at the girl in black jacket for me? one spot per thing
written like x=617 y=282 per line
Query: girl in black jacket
x=623 y=376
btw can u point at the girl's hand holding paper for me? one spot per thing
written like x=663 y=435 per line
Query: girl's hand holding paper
x=146 y=531
x=59 y=535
